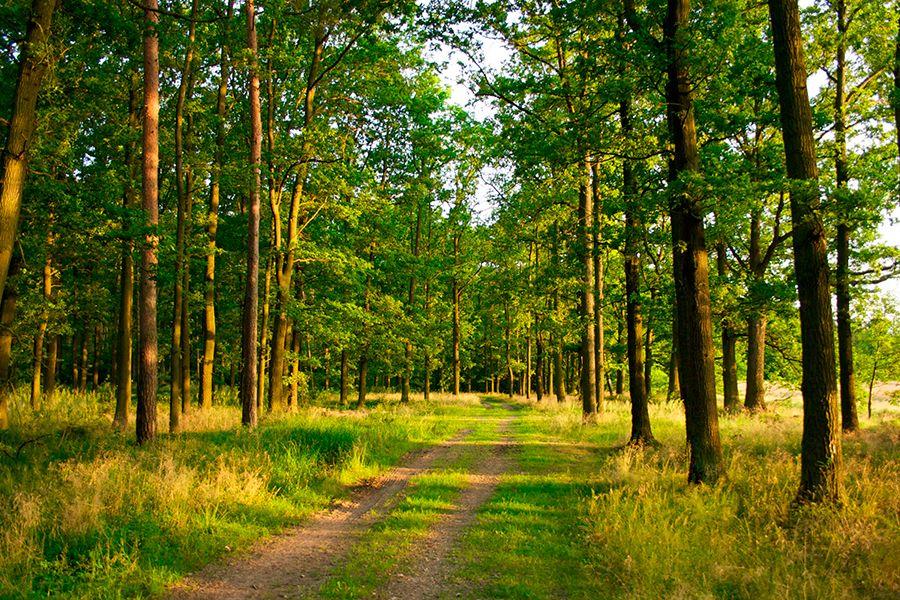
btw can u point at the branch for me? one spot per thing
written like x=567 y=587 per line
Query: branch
x=175 y=15
x=862 y=85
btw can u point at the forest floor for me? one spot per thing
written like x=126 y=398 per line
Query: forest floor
x=477 y=497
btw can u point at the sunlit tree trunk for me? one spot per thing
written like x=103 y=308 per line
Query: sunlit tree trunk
x=33 y=63
x=588 y=324
x=821 y=459
x=695 y=346
x=755 y=398
x=149 y=353
x=7 y=315
x=251 y=292
x=38 y=354
x=849 y=419
x=131 y=202
x=212 y=227
x=345 y=375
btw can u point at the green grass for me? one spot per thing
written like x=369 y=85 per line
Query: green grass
x=86 y=514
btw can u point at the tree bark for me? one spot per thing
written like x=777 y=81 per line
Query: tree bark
x=588 y=324
x=130 y=203
x=821 y=458
x=7 y=315
x=732 y=403
x=849 y=419
x=641 y=432
x=149 y=354
x=212 y=227
x=599 y=342
x=34 y=61
x=345 y=375
x=755 y=397
x=696 y=354
x=50 y=376
x=251 y=291
x=38 y=355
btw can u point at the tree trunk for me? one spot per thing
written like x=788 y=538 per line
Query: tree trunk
x=251 y=291
x=363 y=376
x=457 y=332
x=130 y=202
x=345 y=375
x=599 y=342
x=648 y=361
x=732 y=402
x=50 y=373
x=588 y=317
x=47 y=284
x=696 y=354
x=95 y=368
x=294 y=398
x=7 y=315
x=755 y=398
x=149 y=353
x=641 y=432
x=821 y=458
x=85 y=363
x=212 y=227
x=849 y=419
x=35 y=58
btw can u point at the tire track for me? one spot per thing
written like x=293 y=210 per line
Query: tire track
x=298 y=561
x=429 y=575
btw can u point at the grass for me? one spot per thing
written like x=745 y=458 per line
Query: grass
x=86 y=514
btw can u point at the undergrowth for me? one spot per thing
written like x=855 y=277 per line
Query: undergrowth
x=84 y=513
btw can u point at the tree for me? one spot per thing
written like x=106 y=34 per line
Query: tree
x=33 y=64
x=251 y=287
x=149 y=349
x=821 y=458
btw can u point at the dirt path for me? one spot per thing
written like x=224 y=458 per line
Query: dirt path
x=297 y=562
x=429 y=575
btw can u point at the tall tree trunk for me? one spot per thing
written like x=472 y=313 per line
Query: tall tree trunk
x=588 y=317
x=696 y=354
x=408 y=350
x=849 y=419
x=149 y=352
x=648 y=361
x=507 y=343
x=821 y=460
x=7 y=315
x=35 y=58
x=599 y=342
x=130 y=202
x=47 y=285
x=83 y=370
x=95 y=372
x=212 y=227
x=345 y=375
x=457 y=333
x=755 y=398
x=641 y=432
x=251 y=292
x=50 y=373
x=176 y=375
x=294 y=398
x=732 y=402
x=264 y=344
x=363 y=377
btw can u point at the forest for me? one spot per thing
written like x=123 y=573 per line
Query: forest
x=534 y=287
